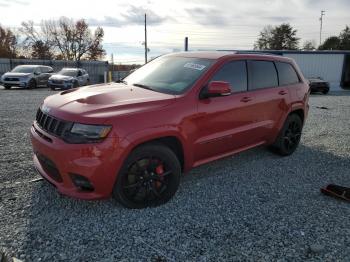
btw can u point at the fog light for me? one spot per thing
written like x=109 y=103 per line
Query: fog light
x=81 y=182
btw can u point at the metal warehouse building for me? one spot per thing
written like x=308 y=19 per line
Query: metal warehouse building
x=332 y=66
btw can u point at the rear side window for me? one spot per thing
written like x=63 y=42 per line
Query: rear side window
x=287 y=74
x=46 y=69
x=262 y=74
x=235 y=73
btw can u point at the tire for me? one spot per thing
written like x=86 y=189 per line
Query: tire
x=325 y=91
x=75 y=85
x=32 y=84
x=149 y=177
x=289 y=137
x=7 y=87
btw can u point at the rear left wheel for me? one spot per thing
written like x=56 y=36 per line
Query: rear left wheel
x=289 y=137
x=150 y=176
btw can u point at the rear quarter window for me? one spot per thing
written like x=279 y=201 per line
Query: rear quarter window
x=287 y=74
x=262 y=74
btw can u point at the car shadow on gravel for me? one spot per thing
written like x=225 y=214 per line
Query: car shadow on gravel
x=252 y=206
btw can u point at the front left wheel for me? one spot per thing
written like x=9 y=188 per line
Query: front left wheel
x=150 y=176
x=32 y=84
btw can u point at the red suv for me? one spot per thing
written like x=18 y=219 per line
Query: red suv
x=133 y=139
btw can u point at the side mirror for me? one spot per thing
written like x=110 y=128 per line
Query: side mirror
x=36 y=73
x=218 y=88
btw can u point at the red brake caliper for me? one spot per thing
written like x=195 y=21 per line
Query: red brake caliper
x=159 y=172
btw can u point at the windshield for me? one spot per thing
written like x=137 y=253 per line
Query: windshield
x=169 y=74
x=67 y=72
x=23 y=69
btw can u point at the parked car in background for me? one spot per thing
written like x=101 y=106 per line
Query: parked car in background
x=318 y=85
x=69 y=78
x=132 y=140
x=27 y=76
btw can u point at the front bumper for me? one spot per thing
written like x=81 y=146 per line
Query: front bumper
x=15 y=83
x=99 y=163
x=63 y=85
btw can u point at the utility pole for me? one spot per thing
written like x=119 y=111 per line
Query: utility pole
x=321 y=24
x=186 y=44
x=112 y=62
x=146 y=49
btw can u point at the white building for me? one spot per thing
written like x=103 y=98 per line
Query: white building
x=331 y=66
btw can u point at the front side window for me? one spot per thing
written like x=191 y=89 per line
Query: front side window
x=23 y=69
x=68 y=72
x=235 y=73
x=286 y=74
x=169 y=74
x=262 y=74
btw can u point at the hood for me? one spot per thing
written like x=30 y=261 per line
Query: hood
x=100 y=102
x=61 y=77
x=14 y=74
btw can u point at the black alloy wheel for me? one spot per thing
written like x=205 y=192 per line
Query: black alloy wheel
x=289 y=137
x=149 y=177
x=32 y=84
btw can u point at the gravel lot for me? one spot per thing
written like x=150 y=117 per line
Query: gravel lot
x=254 y=206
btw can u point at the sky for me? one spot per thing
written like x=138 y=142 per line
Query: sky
x=209 y=24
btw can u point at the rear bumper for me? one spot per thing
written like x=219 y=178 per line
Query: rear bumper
x=99 y=163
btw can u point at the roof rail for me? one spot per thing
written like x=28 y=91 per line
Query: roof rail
x=248 y=52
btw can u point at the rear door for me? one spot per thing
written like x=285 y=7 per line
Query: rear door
x=45 y=75
x=271 y=99
x=226 y=123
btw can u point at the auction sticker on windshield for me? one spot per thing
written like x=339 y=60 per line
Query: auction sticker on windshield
x=195 y=66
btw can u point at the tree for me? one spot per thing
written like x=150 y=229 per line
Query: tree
x=74 y=40
x=345 y=39
x=39 y=42
x=63 y=39
x=8 y=43
x=281 y=37
x=309 y=45
x=341 y=42
x=331 y=43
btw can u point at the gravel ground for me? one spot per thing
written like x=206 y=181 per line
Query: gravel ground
x=254 y=206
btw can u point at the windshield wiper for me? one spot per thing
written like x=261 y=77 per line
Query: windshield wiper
x=144 y=86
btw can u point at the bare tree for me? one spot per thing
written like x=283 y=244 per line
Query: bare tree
x=309 y=45
x=63 y=39
x=75 y=41
x=8 y=43
x=39 y=41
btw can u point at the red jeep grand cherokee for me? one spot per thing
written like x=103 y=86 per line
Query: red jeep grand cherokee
x=133 y=139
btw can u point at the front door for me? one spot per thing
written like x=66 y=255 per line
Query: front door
x=225 y=124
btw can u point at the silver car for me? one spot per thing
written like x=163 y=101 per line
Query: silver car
x=27 y=76
x=69 y=78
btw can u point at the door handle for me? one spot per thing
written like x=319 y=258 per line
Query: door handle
x=282 y=92
x=246 y=99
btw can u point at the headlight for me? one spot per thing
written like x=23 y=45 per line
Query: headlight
x=80 y=133
x=24 y=78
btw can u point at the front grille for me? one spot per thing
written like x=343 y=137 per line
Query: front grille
x=51 y=124
x=11 y=79
x=57 y=81
x=49 y=167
